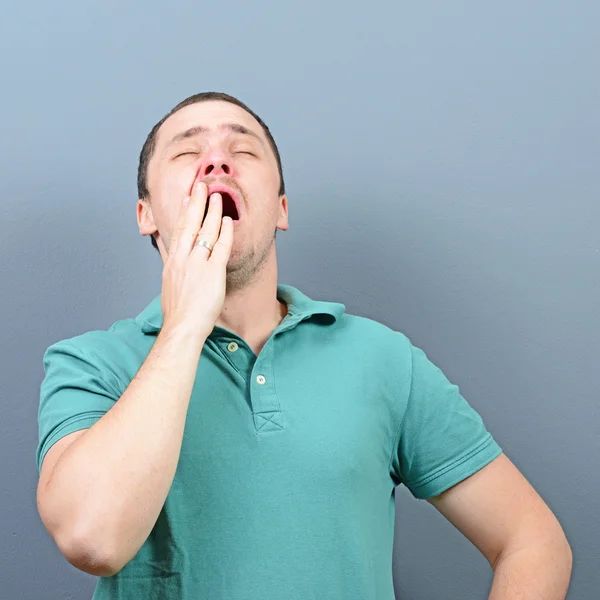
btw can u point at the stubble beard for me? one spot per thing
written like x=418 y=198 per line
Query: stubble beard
x=244 y=266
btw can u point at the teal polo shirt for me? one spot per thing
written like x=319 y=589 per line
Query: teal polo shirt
x=285 y=484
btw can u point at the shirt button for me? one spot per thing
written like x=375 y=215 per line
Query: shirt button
x=260 y=380
x=232 y=346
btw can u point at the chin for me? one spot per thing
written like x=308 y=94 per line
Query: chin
x=234 y=263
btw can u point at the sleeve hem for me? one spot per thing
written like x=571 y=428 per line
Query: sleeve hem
x=71 y=425
x=456 y=471
x=399 y=430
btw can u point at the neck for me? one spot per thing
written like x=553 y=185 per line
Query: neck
x=254 y=311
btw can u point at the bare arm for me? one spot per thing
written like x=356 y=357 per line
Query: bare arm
x=101 y=493
x=501 y=513
x=107 y=488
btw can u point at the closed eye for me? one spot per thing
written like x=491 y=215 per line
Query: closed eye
x=185 y=154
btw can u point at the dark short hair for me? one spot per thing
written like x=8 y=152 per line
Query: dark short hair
x=150 y=143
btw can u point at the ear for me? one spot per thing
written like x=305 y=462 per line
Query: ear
x=145 y=217
x=282 y=221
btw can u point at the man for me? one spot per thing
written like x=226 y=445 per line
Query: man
x=238 y=440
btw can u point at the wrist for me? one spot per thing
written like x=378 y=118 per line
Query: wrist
x=179 y=334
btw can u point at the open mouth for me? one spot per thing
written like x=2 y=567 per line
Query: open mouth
x=229 y=207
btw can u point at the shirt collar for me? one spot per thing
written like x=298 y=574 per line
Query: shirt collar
x=299 y=306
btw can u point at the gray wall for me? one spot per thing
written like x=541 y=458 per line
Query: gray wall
x=442 y=163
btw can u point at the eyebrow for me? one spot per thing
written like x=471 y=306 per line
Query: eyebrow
x=199 y=129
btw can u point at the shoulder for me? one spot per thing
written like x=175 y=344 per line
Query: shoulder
x=373 y=333
x=114 y=353
x=377 y=345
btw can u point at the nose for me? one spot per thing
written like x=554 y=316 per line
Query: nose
x=215 y=162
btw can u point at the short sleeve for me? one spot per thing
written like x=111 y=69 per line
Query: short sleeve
x=74 y=394
x=442 y=439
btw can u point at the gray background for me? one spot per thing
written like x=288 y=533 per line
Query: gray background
x=442 y=164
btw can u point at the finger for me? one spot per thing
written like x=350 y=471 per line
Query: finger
x=222 y=248
x=189 y=222
x=179 y=223
x=182 y=217
x=212 y=223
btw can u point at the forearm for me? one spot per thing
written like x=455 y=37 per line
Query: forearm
x=537 y=572
x=109 y=486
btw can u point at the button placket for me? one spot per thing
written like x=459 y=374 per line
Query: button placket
x=266 y=408
x=238 y=356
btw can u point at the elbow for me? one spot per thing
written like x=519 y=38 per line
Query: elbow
x=88 y=553
x=561 y=548
x=568 y=553
x=553 y=549
x=97 y=550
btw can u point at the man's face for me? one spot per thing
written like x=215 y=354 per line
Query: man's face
x=221 y=144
